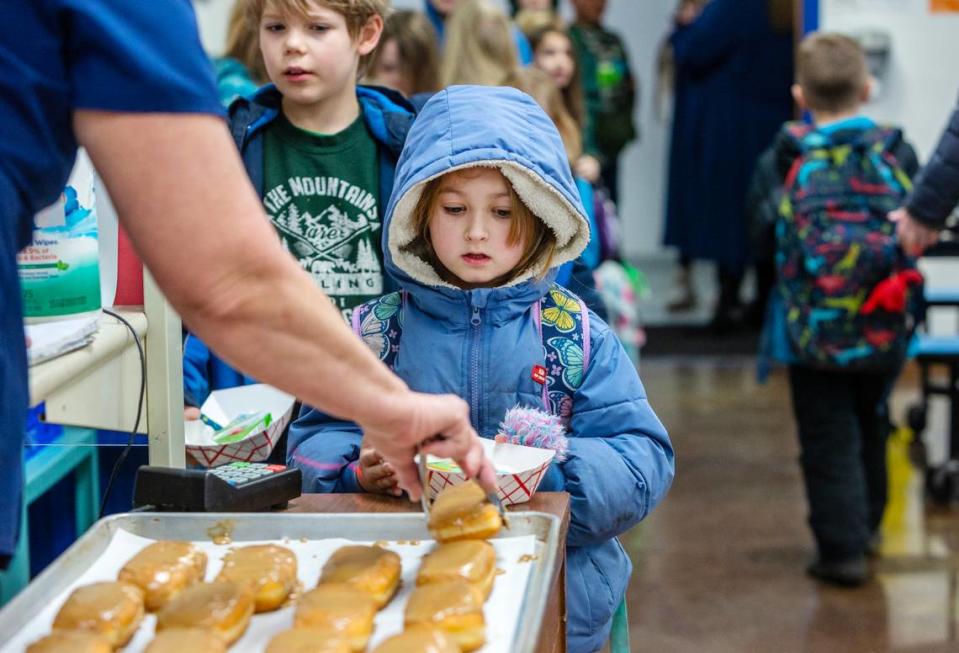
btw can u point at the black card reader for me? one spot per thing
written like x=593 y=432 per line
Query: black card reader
x=235 y=487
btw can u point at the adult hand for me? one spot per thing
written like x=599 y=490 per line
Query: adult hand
x=374 y=474
x=914 y=237
x=588 y=168
x=440 y=424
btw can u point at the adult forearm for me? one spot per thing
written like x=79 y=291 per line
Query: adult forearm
x=183 y=196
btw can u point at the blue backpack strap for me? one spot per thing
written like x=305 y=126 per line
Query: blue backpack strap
x=380 y=324
x=563 y=322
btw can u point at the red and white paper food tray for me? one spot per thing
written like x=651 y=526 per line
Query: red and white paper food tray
x=519 y=470
x=224 y=405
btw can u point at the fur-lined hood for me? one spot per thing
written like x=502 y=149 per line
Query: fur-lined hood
x=469 y=126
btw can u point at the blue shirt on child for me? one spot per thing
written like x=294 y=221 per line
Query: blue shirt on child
x=57 y=56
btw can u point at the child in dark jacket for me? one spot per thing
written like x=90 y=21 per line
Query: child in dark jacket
x=838 y=313
x=321 y=152
x=484 y=211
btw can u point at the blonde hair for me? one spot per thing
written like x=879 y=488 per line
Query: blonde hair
x=242 y=43
x=831 y=69
x=419 y=55
x=357 y=14
x=479 y=46
x=539 y=241
x=541 y=87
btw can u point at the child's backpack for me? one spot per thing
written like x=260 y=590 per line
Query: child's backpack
x=844 y=280
x=607 y=224
x=561 y=319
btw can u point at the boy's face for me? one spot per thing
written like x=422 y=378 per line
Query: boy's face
x=470 y=224
x=590 y=11
x=313 y=58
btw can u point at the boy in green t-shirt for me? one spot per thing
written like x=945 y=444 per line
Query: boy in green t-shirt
x=320 y=150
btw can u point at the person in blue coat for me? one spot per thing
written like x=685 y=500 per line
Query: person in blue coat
x=439 y=10
x=388 y=116
x=483 y=212
x=733 y=71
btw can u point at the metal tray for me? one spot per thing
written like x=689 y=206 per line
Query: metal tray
x=276 y=526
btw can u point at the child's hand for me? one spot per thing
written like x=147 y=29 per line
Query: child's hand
x=191 y=413
x=375 y=474
x=588 y=168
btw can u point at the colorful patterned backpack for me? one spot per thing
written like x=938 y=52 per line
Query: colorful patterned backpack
x=848 y=287
x=560 y=318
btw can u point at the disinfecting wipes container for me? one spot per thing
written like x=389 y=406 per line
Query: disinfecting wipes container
x=59 y=270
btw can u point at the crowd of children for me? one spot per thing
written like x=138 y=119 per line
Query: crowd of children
x=458 y=223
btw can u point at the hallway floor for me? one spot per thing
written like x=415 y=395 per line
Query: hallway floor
x=719 y=566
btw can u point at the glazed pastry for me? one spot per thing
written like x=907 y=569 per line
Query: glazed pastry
x=453 y=606
x=373 y=569
x=269 y=570
x=309 y=640
x=164 y=569
x=463 y=512
x=186 y=640
x=223 y=608
x=71 y=641
x=419 y=639
x=341 y=607
x=112 y=609
x=471 y=560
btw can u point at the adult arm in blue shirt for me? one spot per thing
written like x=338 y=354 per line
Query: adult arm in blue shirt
x=184 y=198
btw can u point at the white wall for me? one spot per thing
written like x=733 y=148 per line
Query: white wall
x=922 y=80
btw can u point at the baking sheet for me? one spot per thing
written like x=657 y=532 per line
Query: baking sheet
x=508 y=604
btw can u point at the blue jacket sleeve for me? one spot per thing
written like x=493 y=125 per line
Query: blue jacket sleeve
x=325 y=450
x=620 y=461
x=196 y=376
x=936 y=191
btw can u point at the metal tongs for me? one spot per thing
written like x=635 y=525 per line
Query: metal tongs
x=492 y=497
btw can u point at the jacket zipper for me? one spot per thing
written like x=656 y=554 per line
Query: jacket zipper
x=475 y=323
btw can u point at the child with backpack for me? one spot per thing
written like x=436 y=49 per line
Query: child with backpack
x=483 y=212
x=841 y=313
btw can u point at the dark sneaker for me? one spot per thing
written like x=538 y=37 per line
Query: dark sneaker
x=847 y=573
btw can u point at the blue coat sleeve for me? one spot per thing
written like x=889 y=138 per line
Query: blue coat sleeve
x=325 y=450
x=196 y=376
x=936 y=191
x=620 y=461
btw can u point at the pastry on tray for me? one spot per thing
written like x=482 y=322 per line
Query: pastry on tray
x=373 y=569
x=463 y=512
x=419 y=639
x=453 y=606
x=471 y=560
x=186 y=640
x=164 y=569
x=309 y=640
x=112 y=609
x=224 y=608
x=71 y=641
x=341 y=607
x=269 y=570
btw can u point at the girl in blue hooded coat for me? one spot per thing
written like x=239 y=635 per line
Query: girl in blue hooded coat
x=483 y=212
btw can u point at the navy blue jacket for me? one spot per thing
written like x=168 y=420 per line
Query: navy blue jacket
x=936 y=192
x=620 y=460
x=388 y=116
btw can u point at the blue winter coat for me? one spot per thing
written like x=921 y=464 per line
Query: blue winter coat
x=620 y=461
x=733 y=74
x=524 y=51
x=387 y=114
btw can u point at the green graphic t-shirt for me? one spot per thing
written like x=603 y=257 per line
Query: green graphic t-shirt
x=322 y=195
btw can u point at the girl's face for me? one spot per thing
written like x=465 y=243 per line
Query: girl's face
x=469 y=226
x=387 y=70
x=555 y=57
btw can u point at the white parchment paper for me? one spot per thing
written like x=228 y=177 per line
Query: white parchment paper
x=501 y=610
